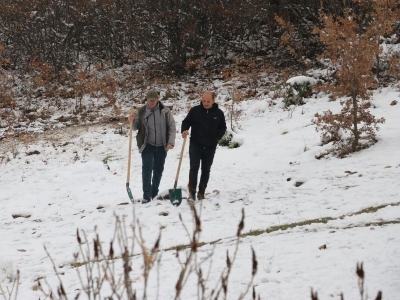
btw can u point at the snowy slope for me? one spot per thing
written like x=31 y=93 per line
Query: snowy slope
x=78 y=181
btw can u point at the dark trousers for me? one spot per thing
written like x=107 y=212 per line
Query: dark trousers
x=204 y=155
x=153 y=159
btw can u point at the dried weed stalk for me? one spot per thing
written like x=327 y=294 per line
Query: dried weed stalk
x=361 y=286
x=100 y=273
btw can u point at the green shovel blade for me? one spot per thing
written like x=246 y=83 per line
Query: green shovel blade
x=175 y=196
x=128 y=189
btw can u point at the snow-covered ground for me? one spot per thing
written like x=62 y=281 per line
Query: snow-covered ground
x=78 y=181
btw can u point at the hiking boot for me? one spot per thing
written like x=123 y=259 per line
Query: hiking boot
x=202 y=191
x=144 y=201
x=192 y=196
x=191 y=188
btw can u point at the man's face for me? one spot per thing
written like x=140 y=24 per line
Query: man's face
x=152 y=102
x=207 y=100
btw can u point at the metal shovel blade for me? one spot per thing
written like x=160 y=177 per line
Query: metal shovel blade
x=175 y=196
x=128 y=189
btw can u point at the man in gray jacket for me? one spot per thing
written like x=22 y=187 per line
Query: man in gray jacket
x=156 y=135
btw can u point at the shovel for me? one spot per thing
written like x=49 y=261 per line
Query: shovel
x=175 y=195
x=128 y=189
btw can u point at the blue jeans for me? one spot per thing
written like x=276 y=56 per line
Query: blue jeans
x=153 y=159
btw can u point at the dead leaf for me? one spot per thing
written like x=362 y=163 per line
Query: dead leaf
x=350 y=172
x=21 y=216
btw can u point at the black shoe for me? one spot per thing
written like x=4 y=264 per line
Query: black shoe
x=144 y=201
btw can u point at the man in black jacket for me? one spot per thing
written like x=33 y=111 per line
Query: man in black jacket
x=208 y=127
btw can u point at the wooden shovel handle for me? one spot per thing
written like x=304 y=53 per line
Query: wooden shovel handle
x=180 y=162
x=130 y=148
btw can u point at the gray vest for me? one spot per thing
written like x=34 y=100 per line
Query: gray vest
x=154 y=137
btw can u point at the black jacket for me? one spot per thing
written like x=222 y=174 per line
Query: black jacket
x=208 y=125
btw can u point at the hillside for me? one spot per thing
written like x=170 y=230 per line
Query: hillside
x=74 y=178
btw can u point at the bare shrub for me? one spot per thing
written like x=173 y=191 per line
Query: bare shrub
x=234 y=111
x=108 y=88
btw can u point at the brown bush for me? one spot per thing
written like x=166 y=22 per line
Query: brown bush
x=351 y=49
